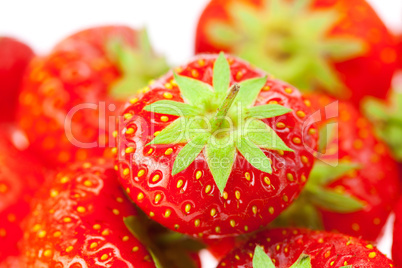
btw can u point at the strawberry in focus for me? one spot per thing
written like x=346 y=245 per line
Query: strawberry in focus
x=326 y=45
x=215 y=148
x=20 y=178
x=397 y=236
x=15 y=57
x=354 y=183
x=69 y=98
x=304 y=248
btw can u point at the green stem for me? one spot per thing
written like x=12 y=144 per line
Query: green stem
x=225 y=106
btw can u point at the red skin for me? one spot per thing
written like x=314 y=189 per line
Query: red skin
x=193 y=191
x=78 y=71
x=399 y=49
x=397 y=240
x=92 y=187
x=20 y=177
x=284 y=246
x=376 y=183
x=358 y=19
x=15 y=57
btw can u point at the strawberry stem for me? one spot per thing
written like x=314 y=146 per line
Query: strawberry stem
x=225 y=106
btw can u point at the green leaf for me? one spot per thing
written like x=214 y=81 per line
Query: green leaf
x=246 y=18
x=254 y=155
x=194 y=91
x=325 y=173
x=304 y=261
x=333 y=201
x=261 y=259
x=127 y=86
x=221 y=79
x=172 y=108
x=342 y=49
x=249 y=90
x=189 y=152
x=221 y=155
x=267 y=111
x=328 y=78
x=375 y=110
x=263 y=136
x=174 y=133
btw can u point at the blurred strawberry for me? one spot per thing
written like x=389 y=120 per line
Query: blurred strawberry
x=354 y=183
x=69 y=97
x=20 y=177
x=15 y=57
x=337 y=46
x=399 y=49
x=397 y=239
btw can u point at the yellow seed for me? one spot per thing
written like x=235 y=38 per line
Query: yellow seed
x=93 y=245
x=280 y=125
x=304 y=159
x=266 y=88
x=232 y=223
x=179 y=183
x=135 y=249
x=213 y=212
x=151 y=214
x=119 y=200
x=301 y=114
x=198 y=174
x=255 y=209
x=116 y=212
x=176 y=227
x=140 y=196
x=96 y=226
x=104 y=257
x=267 y=180
x=372 y=255
x=54 y=193
x=208 y=188
x=201 y=62
x=303 y=178
x=169 y=151
x=288 y=90
x=36 y=227
x=67 y=219
x=296 y=140
x=369 y=246
x=114 y=134
x=271 y=210
x=48 y=253
x=64 y=180
x=168 y=86
x=312 y=131
x=289 y=176
x=134 y=100
x=164 y=118
x=217 y=229
x=197 y=223
x=285 y=198
x=69 y=249
x=187 y=208
x=81 y=209
x=307 y=103
x=129 y=150
x=114 y=150
x=128 y=190
x=105 y=232
x=247 y=175
x=157 y=133
x=141 y=173
x=42 y=234
x=57 y=234
x=150 y=151
x=125 y=238
x=167 y=213
x=126 y=171
x=130 y=131
x=128 y=116
x=156 y=178
x=88 y=183
x=158 y=197
x=167 y=95
x=246 y=228
x=280 y=152
x=237 y=194
x=86 y=165
x=194 y=73
x=225 y=195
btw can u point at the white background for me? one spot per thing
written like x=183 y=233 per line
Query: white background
x=171 y=25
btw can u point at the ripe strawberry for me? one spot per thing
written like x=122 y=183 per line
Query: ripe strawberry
x=305 y=248
x=15 y=57
x=334 y=46
x=80 y=221
x=399 y=49
x=206 y=165
x=68 y=97
x=354 y=184
x=20 y=177
x=397 y=241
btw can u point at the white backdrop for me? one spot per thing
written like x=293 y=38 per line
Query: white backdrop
x=171 y=25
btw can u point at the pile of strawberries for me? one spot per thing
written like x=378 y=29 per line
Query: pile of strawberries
x=277 y=145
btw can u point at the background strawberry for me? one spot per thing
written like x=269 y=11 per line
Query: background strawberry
x=175 y=181
x=15 y=57
x=330 y=45
x=20 y=177
x=285 y=247
x=354 y=184
x=397 y=239
x=68 y=97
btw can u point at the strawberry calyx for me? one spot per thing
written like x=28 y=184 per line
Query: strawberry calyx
x=262 y=260
x=288 y=39
x=139 y=65
x=220 y=121
x=387 y=121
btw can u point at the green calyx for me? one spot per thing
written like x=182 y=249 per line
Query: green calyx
x=220 y=120
x=387 y=121
x=262 y=260
x=289 y=40
x=138 y=64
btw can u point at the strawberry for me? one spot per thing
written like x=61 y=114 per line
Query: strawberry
x=305 y=248
x=335 y=46
x=69 y=97
x=399 y=49
x=215 y=160
x=354 y=183
x=397 y=240
x=15 y=57
x=20 y=177
x=84 y=220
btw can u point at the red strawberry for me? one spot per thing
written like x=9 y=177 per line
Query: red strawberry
x=399 y=49
x=337 y=46
x=20 y=177
x=68 y=97
x=215 y=161
x=397 y=241
x=80 y=221
x=15 y=57
x=354 y=184
x=304 y=248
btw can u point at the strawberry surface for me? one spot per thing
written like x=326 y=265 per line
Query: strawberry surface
x=397 y=236
x=69 y=97
x=20 y=177
x=198 y=181
x=338 y=46
x=15 y=57
x=285 y=248
x=354 y=184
